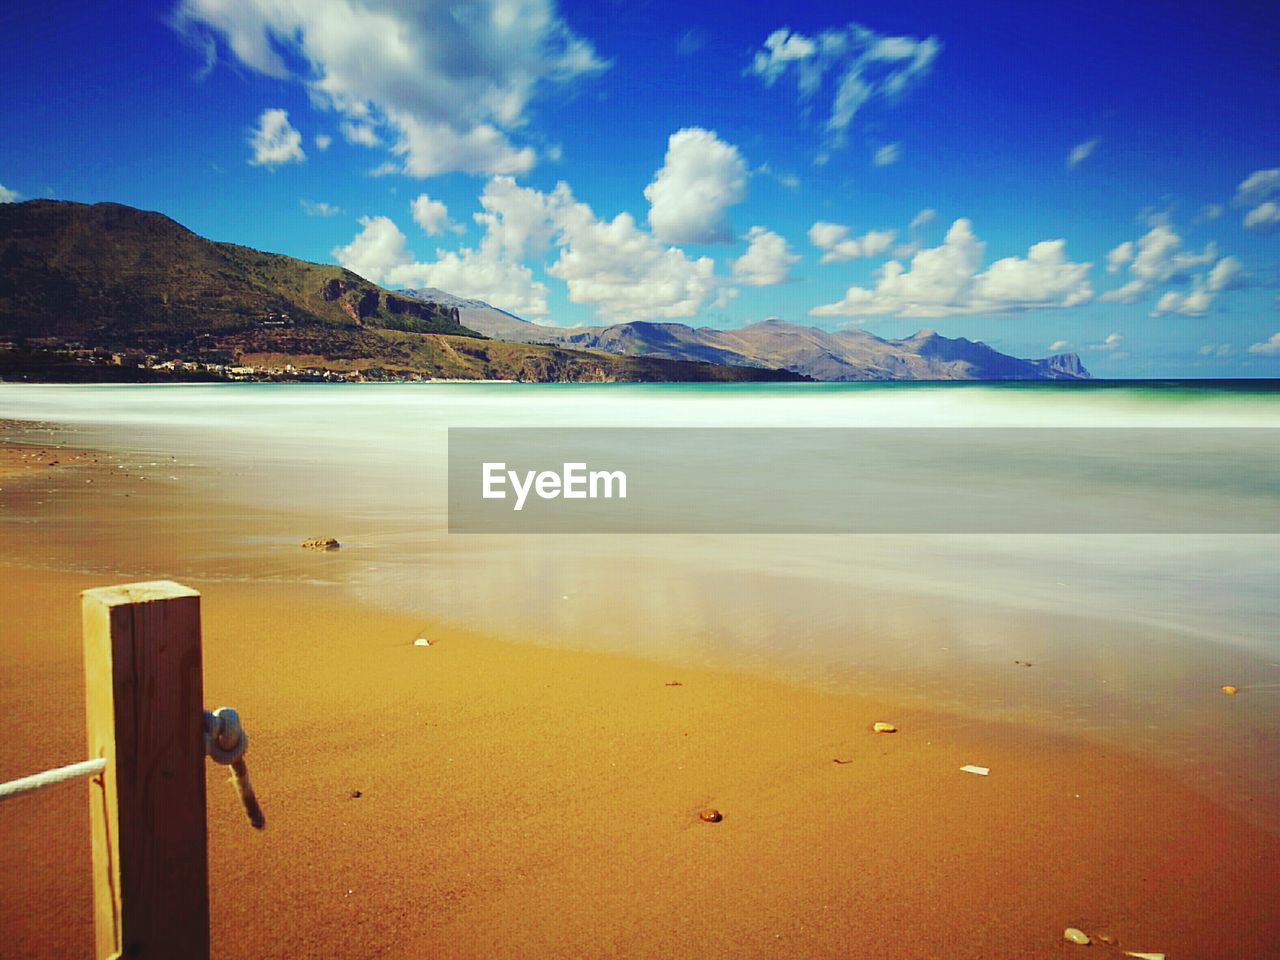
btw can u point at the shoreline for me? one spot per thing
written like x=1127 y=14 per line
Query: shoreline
x=527 y=800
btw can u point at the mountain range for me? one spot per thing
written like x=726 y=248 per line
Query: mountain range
x=79 y=280
x=851 y=354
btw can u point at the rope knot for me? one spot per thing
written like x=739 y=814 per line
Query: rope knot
x=224 y=739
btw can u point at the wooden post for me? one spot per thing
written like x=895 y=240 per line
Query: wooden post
x=145 y=699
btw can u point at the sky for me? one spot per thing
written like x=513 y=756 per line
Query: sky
x=1093 y=177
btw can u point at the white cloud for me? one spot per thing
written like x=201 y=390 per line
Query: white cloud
x=626 y=273
x=1045 y=277
x=443 y=83
x=1268 y=348
x=622 y=270
x=1258 y=186
x=1059 y=345
x=378 y=253
x=519 y=220
x=1080 y=153
x=469 y=273
x=781 y=49
x=1217 y=350
x=700 y=179
x=1227 y=274
x=323 y=140
x=767 y=260
x=1155 y=216
x=1119 y=256
x=1156 y=257
x=1209 y=212
x=834 y=240
x=887 y=155
x=1159 y=256
x=432 y=216
x=429 y=149
x=275 y=141
x=1130 y=292
x=7 y=195
x=1265 y=216
x=319 y=208
x=861 y=64
x=1257 y=191
x=922 y=218
x=1193 y=303
x=360 y=133
x=944 y=281
x=724 y=297
x=1112 y=342
x=376 y=250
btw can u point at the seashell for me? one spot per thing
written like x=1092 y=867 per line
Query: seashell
x=1230 y=691
x=422 y=642
x=710 y=815
x=884 y=728
x=1072 y=935
x=1108 y=939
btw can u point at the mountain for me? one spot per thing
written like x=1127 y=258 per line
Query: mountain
x=110 y=271
x=852 y=354
x=84 y=288
x=498 y=324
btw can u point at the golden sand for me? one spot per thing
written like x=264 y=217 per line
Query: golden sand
x=520 y=801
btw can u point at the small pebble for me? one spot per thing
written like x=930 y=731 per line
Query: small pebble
x=1230 y=691
x=356 y=794
x=1072 y=935
x=319 y=543
x=1108 y=939
x=422 y=642
x=710 y=815
x=884 y=728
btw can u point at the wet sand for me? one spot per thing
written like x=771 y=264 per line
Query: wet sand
x=523 y=801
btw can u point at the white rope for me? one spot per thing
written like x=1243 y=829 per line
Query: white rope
x=38 y=781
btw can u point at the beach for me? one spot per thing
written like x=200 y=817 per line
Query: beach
x=526 y=794
x=526 y=801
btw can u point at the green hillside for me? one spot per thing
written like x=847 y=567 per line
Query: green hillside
x=123 y=277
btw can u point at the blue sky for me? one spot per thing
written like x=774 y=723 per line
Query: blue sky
x=1096 y=177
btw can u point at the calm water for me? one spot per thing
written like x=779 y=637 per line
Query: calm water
x=1131 y=635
